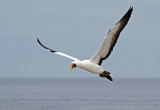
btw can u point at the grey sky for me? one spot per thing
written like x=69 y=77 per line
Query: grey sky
x=65 y=25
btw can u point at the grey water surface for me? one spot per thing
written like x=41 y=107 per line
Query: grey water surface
x=79 y=94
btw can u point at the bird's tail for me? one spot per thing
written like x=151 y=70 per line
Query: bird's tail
x=106 y=75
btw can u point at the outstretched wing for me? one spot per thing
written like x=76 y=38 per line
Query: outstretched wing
x=110 y=39
x=56 y=52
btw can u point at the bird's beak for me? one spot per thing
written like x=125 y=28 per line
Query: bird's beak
x=71 y=67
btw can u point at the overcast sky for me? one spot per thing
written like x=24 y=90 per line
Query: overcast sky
x=77 y=28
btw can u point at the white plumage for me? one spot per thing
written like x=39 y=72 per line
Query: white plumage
x=94 y=64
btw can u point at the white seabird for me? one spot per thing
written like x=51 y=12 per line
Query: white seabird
x=94 y=64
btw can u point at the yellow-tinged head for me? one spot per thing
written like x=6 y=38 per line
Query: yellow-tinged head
x=73 y=66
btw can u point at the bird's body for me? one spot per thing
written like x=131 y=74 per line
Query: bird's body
x=94 y=64
x=89 y=66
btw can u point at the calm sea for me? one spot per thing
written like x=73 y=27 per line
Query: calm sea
x=79 y=94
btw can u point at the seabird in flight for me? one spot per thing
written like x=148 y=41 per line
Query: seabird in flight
x=94 y=64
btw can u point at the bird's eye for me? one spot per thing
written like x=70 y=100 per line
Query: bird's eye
x=74 y=65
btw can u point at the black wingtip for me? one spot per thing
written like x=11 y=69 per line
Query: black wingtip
x=45 y=46
x=127 y=15
x=130 y=10
x=38 y=41
x=41 y=44
x=131 y=7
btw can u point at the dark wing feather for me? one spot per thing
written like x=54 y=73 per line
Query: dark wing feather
x=110 y=39
x=45 y=46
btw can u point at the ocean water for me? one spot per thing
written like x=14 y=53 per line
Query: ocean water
x=79 y=94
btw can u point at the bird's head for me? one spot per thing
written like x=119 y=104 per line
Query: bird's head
x=73 y=65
